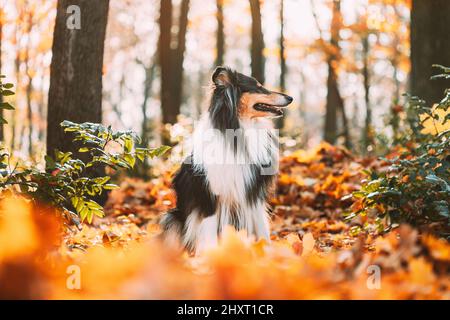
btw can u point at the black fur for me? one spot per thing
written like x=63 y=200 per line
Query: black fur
x=192 y=190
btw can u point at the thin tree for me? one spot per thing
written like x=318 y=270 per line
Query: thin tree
x=29 y=89
x=395 y=60
x=283 y=67
x=171 y=59
x=179 y=55
x=334 y=103
x=332 y=91
x=148 y=84
x=367 y=140
x=220 y=38
x=257 y=44
x=430 y=44
x=42 y=108
x=17 y=62
x=76 y=69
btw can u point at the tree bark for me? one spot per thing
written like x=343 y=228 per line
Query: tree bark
x=165 y=25
x=220 y=39
x=171 y=59
x=283 y=68
x=148 y=84
x=42 y=110
x=179 y=56
x=330 y=134
x=29 y=89
x=430 y=44
x=75 y=92
x=332 y=104
x=367 y=140
x=17 y=63
x=257 y=45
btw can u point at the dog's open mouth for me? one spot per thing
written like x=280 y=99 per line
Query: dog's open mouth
x=275 y=110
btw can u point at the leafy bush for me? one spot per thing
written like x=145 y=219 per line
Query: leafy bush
x=5 y=90
x=416 y=188
x=68 y=182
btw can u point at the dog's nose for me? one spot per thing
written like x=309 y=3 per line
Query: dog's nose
x=289 y=98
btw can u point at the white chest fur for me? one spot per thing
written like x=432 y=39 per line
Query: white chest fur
x=228 y=160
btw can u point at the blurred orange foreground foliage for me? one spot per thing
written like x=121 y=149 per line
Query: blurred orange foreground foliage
x=311 y=255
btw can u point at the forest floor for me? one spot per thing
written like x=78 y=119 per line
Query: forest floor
x=314 y=253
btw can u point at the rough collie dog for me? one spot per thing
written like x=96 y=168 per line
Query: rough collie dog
x=226 y=179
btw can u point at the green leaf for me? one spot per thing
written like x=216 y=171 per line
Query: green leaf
x=157 y=152
x=129 y=159
x=373 y=195
x=7 y=93
x=84 y=211
x=8 y=85
x=99 y=213
x=128 y=145
x=89 y=216
x=75 y=202
x=102 y=180
x=50 y=163
x=93 y=205
x=6 y=106
x=110 y=186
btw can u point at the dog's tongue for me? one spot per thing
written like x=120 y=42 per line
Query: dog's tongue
x=267 y=108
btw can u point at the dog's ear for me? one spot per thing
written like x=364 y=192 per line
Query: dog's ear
x=223 y=109
x=221 y=76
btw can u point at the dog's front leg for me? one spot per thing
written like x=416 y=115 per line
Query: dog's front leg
x=261 y=221
x=207 y=234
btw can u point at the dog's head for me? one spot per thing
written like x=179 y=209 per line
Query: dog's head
x=238 y=97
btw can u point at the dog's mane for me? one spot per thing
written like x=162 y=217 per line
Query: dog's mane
x=223 y=110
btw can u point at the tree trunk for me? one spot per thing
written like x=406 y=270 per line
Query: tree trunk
x=367 y=140
x=29 y=89
x=333 y=97
x=179 y=56
x=302 y=111
x=430 y=44
x=345 y=127
x=171 y=59
x=29 y=114
x=17 y=62
x=148 y=83
x=169 y=113
x=220 y=39
x=42 y=110
x=75 y=92
x=257 y=46
x=283 y=68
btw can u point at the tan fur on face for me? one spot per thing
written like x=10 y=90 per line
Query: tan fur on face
x=248 y=100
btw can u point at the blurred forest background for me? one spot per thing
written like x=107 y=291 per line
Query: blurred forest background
x=377 y=193
x=346 y=63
